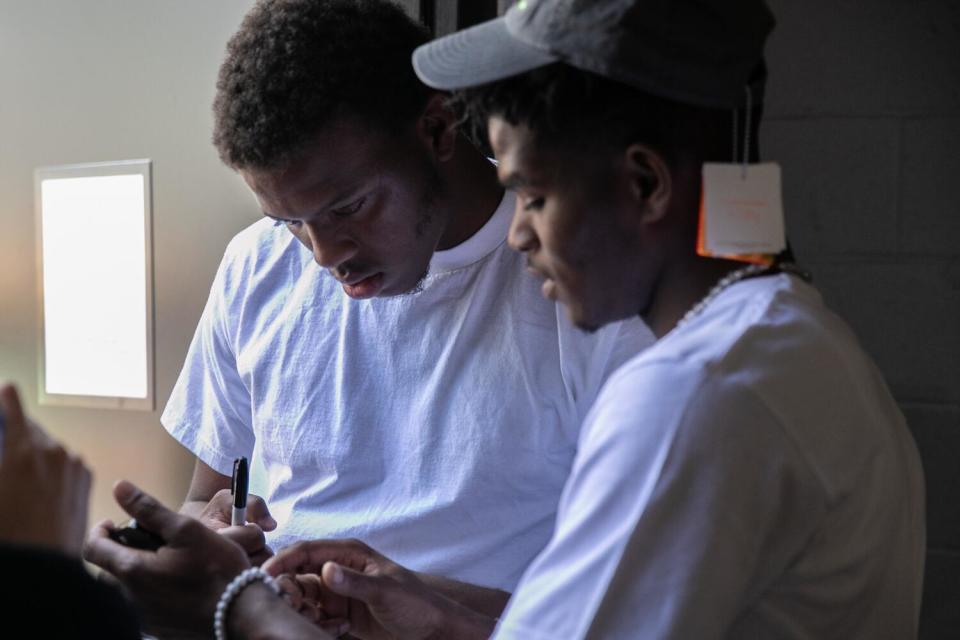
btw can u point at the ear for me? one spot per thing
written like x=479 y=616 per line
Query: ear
x=437 y=127
x=651 y=182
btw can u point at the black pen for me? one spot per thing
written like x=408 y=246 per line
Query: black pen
x=238 y=489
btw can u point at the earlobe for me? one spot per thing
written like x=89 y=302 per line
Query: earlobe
x=650 y=179
x=437 y=126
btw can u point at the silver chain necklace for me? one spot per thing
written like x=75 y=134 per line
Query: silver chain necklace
x=731 y=278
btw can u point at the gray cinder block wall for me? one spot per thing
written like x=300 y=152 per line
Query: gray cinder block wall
x=863 y=111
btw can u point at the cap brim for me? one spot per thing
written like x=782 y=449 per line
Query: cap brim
x=475 y=56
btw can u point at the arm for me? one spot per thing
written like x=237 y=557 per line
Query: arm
x=484 y=600
x=88 y=608
x=684 y=498
x=204 y=485
x=258 y=614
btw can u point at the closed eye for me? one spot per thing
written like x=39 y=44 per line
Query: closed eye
x=280 y=221
x=350 y=209
x=532 y=204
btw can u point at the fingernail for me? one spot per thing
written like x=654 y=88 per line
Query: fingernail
x=123 y=490
x=337 y=573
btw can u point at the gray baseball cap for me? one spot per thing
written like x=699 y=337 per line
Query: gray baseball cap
x=701 y=52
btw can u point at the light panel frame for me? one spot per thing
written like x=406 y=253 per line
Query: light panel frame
x=142 y=169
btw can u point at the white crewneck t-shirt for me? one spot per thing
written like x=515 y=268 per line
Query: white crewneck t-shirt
x=437 y=427
x=747 y=477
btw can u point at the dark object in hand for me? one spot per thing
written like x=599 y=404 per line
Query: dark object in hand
x=137 y=537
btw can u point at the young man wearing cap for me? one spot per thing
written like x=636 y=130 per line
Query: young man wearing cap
x=749 y=475
x=373 y=343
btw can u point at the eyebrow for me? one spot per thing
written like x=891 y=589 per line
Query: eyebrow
x=339 y=201
x=515 y=181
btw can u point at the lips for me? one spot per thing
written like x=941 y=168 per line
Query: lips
x=365 y=288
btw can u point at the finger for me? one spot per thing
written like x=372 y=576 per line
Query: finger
x=310 y=556
x=290 y=590
x=259 y=558
x=258 y=513
x=311 y=585
x=216 y=513
x=249 y=536
x=151 y=515
x=107 y=554
x=79 y=492
x=334 y=626
x=15 y=423
x=353 y=584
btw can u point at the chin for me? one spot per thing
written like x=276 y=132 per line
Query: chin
x=582 y=320
x=408 y=287
x=592 y=317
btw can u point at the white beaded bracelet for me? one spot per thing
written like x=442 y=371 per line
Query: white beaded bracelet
x=232 y=591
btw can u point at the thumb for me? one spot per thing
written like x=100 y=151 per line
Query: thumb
x=148 y=511
x=258 y=513
x=352 y=584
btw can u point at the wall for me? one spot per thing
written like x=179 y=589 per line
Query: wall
x=108 y=80
x=864 y=113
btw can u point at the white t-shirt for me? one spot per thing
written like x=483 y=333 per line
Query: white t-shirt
x=748 y=476
x=437 y=427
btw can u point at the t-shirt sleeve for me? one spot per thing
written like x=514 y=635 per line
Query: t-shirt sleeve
x=684 y=497
x=209 y=411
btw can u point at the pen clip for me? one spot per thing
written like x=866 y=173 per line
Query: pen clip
x=239 y=485
x=233 y=478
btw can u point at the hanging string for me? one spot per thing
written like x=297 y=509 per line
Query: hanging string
x=736 y=137
x=746 y=131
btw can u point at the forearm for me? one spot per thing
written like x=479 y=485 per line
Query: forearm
x=259 y=614
x=483 y=600
x=461 y=623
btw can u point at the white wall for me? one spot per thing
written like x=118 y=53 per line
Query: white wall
x=96 y=80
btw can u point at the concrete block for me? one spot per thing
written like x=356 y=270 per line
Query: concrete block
x=907 y=316
x=936 y=430
x=929 y=218
x=940 y=611
x=840 y=183
x=879 y=57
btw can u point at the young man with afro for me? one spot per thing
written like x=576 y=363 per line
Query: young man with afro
x=373 y=343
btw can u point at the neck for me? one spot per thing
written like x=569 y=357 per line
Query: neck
x=472 y=193
x=681 y=285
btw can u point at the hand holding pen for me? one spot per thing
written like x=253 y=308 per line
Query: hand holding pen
x=251 y=536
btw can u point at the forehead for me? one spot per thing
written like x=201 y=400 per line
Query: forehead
x=342 y=156
x=522 y=157
x=512 y=145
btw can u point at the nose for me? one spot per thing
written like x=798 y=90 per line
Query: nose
x=522 y=237
x=329 y=249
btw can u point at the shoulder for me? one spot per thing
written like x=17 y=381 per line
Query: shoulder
x=262 y=251
x=258 y=242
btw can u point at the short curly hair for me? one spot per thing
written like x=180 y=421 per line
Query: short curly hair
x=295 y=65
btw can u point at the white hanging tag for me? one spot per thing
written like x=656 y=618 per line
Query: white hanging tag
x=741 y=213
